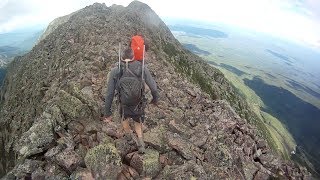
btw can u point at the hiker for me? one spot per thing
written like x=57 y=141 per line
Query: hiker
x=128 y=81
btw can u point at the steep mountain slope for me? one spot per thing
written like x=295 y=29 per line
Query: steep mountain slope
x=53 y=100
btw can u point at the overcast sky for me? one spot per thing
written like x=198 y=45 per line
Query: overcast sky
x=293 y=19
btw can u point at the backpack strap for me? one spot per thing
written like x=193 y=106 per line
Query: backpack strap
x=127 y=68
x=144 y=48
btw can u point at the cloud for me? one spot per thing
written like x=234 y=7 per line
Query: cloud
x=10 y=9
x=20 y=13
x=293 y=19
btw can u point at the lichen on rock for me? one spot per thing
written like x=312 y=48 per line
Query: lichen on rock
x=104 y=161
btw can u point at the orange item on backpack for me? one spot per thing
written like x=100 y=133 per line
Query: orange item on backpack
x=137 y=44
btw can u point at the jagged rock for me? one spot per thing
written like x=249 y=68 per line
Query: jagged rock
x=156 y=138
x=147 y=164
x=218 y=172
x=261 y=176
x=54 y=172
x=68 y=159
x=66 y=141
x=200 y=137
x=81 y=151
x=219 y=156
x=151 y=164
x=71 y=106
x=124 y=147
x=104 y=161
x=269 y=160
x=81 y=174
x=76 y=127
x=185 y=148
x=57 y=115
x=249 y=170
x=180 y=129
x=175 y=158
x=111 y=129
x=85 y=98
x=128 y=173
x=52 y=152
x=38 y=174
x=136 y=161
x=261 y=144
x=38 y=138
x=189 y=170
x=25 y=169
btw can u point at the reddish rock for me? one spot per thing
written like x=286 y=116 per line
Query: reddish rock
x=137 y=162
x=81 y=173
x=261 y=176
x=185 y=148
x=68 y=159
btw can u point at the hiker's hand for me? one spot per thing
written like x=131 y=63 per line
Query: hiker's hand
x=107 y=119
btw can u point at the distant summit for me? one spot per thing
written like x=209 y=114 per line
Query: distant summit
x=53 y=99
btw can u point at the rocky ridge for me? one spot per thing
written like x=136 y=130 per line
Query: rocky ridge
x=53 y=100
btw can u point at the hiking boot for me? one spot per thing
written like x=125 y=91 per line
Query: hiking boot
x=128 y=137
x=140 y=144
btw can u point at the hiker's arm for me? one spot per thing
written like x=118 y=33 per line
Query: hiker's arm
x=110 y=91
x=152 y=85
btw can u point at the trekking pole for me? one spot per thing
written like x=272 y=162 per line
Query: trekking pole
x=119 y=55
x=144 y=48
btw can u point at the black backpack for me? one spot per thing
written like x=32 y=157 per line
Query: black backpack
x=130 y=86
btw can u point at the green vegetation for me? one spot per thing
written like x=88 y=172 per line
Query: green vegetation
x=186 y=67
x=284 y=141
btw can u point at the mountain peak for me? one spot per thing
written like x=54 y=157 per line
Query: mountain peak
x=53 y=99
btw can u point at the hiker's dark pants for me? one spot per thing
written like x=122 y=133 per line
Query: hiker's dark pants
x=132 y=112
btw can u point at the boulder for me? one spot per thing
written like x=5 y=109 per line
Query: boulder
x=151 y=164
x=25 y=169
x=249 y=170
x=81 y=173
x=124 y=147
x=68 y=159
x=38 y=174
x=181 y=129
x=104 y=161
x=156 y=138
x=218 y=156
x=184 y=148
x=54 y=172
x=72 y=107
x=261 y=176
x=38 y=138
x=128 y=173
x=188 y=170
x=136 y=161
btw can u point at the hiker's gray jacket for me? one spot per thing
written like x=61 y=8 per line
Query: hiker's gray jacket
x=135 y=67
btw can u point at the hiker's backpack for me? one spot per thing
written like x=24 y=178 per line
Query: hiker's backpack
x=130 y=86
x=137 y=45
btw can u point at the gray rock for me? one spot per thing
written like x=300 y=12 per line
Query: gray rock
x=81 y=174
x=151 y=164
x=156 y=138
x=104 y=161
x=68 y=159
x=38 y=138
x=189 y=170
x=25 y=169
x=185 y=148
